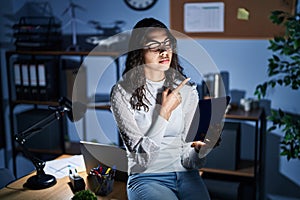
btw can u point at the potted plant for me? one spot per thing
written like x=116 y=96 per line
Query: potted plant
x=84 y=195
x=284 y=70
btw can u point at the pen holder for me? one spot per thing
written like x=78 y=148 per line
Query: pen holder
x=100 y=184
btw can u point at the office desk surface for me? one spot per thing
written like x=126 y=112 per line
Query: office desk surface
x=61 y=190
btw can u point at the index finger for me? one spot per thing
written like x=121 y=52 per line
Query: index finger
x=178 y=88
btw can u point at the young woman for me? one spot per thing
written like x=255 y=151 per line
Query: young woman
x=153 y=106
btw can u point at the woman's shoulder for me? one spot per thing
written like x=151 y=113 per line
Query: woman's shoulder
x=118 y=89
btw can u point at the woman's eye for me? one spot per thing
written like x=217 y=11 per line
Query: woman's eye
x=154 y=45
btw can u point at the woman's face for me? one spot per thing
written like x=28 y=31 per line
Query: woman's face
x=157 y=52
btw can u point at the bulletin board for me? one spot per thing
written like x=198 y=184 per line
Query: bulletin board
x=256 y=25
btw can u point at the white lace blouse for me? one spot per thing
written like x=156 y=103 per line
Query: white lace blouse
x=154 y=144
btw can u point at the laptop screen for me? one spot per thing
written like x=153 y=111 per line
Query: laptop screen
x=95 y=154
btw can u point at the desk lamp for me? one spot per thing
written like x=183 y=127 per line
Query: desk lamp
x=42 y=180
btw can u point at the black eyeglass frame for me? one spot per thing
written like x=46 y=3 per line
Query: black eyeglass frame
x=156 y=46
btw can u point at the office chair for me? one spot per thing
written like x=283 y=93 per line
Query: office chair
x=6 y=176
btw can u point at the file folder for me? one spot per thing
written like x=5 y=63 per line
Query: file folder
x=25 y=81
x=18 y=80
x=42 y=81
x=48 y=79
x=33 y=81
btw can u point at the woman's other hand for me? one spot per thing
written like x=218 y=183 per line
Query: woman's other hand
x=197 y=145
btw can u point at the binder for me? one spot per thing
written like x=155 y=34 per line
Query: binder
x=48 y=79
x=25 y=81
x=33 y=81
x=53 y=78
x=41 y=78
x=18 y=80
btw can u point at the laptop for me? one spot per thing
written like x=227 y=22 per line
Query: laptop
x=210 y=112
x=95 y=154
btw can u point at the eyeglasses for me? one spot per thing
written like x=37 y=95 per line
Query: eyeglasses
x=155 y=46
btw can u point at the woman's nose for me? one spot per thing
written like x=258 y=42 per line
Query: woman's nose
x=163 y=51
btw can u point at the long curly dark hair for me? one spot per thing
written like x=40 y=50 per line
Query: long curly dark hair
x=134 y=75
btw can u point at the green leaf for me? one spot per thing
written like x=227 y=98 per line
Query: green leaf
x=296 y=44
x=84 y=194
x=272 y=83
x=279 y=20
x=276 y=12
x=272 y=128
x=284 y=153
x=276 y=58
x=277 y=39
x=272 y=66
x=295 y=85
x=287 y=80
x=284 y=69
x=296 y=57
x=281 y=113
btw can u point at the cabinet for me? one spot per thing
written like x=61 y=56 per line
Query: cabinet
x=2 y=122
x=250 y=172
x=59 y=87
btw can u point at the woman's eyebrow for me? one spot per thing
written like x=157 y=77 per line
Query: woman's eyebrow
x=152 y=40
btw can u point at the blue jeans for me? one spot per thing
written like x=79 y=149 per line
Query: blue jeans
x=186 y=185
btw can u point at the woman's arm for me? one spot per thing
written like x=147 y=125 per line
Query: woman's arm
x=190 y=157
x=143 y=147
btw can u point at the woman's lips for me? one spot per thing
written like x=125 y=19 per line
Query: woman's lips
x=164 y=61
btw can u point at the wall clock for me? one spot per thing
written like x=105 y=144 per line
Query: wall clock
x=140 y=4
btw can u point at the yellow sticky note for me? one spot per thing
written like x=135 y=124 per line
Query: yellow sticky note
x=243 y=14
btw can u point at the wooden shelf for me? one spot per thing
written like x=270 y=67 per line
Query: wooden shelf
x=57 y=55
x=71 y=53
x=41 y=151
x=245 y=169
x=100 y=106
x=50 y=103
x=245 y=172
x=240 y=114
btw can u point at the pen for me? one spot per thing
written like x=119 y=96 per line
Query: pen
x=58 y=170
x=108 y=170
